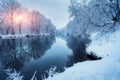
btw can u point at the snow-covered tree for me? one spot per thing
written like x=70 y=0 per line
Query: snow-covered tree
x=16 y=19
x=8 y=8
x=1 y=22
x=104 y=13
x=112 y=11
x=93 y=15
x=35 y=20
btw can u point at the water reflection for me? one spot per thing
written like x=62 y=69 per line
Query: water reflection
x=40 y=53
x=15 y=52
x=57 y=56
x=78 y=46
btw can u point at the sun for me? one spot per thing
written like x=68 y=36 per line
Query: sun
x=18 y=18
x=22 y=18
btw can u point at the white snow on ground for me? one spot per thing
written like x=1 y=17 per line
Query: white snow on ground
x=11 y=36
x=107 y=46
x=21 y=36
x=106 y=69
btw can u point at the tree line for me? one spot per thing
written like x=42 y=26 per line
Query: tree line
x=15 y=19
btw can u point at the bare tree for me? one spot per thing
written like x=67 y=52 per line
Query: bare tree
x=113 y=11
x=35 y=21
x=104 y=15
x=97 y=15
x=8 y=7
x=1 y=29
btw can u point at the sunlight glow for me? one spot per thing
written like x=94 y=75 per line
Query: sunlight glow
x=20 y=18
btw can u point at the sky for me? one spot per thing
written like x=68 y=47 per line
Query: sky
x=56 y=10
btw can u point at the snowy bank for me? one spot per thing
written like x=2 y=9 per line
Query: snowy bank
x=104 y=69
x=106 y=46
x=22 y=36
x=90 y=70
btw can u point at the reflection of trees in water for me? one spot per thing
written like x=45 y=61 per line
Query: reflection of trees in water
x=14 y=52
x=78 y=47
x=8 y=54
x=38 y=46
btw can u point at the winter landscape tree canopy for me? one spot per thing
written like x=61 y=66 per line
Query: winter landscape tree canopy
x=15 y=19
x=93 y=15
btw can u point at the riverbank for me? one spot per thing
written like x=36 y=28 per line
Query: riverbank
x=105 y=69
x=9 y=36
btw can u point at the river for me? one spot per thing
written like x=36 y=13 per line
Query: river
x=27 y=55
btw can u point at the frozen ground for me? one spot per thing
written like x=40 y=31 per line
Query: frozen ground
x=106 y=69
x=21 y=36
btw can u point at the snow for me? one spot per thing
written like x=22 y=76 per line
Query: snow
x=107 y=46
x=104 y=69
x=13 y=75
x=11 y=36
x=34 y=78
x=90 y=70
x=84 y=2
x=22 y=36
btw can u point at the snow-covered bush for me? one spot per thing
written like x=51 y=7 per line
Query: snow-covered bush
x=13 y=75
x=50 y=73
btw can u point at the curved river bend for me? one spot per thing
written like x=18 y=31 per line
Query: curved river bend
x=28 y=55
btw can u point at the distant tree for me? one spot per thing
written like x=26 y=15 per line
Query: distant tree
x=1 y=22
x=12 y=14
x=8 y=7
x=39 y=23
x=35 y=21
x=21 y=18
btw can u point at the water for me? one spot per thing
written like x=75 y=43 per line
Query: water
x=28 y=55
